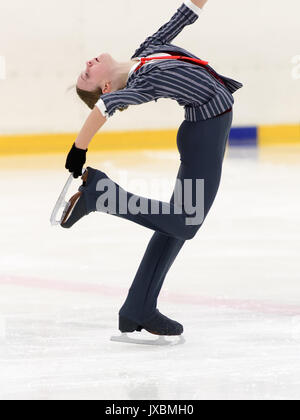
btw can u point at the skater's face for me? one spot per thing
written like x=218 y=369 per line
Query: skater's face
x=97 y=74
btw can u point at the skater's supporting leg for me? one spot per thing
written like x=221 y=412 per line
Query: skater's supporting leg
x=141 y=301
x=197 y=158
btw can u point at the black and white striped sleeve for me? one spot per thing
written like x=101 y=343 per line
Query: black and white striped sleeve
x=139 y=93
x=185 y=15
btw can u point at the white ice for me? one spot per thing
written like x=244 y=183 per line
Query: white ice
x=235 y=287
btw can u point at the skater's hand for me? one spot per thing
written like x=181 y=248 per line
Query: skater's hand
x=75 y=161
x=200 y=3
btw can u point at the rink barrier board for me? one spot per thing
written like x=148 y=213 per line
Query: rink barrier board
x=243 y=136
x=139 y=140
x=270 y=135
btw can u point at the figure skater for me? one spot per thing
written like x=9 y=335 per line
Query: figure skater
x=158 y=69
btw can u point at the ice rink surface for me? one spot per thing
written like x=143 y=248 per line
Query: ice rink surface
x=235 y=286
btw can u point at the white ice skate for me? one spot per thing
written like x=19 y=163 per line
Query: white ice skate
x=131 y=338
x=62 y=205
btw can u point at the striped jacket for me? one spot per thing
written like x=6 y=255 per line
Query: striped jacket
x=201 y=94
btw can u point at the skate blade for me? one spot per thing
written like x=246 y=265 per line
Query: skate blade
x=160 y=341
x=61 y=205
x=61 y=202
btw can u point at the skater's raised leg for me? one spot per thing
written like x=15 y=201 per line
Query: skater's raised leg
x=167 y=218
x=202 y=146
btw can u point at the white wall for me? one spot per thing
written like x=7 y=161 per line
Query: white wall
x=46 y=45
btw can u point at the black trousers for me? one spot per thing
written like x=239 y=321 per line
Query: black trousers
x=202 y=147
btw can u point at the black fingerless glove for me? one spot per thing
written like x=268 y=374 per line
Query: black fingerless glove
x=75 y=161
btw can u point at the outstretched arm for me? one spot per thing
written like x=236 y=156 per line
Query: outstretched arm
x=140 y=92
x=92 y=125
x=185 y=15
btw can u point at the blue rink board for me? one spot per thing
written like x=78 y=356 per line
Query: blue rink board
x=243 y=136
